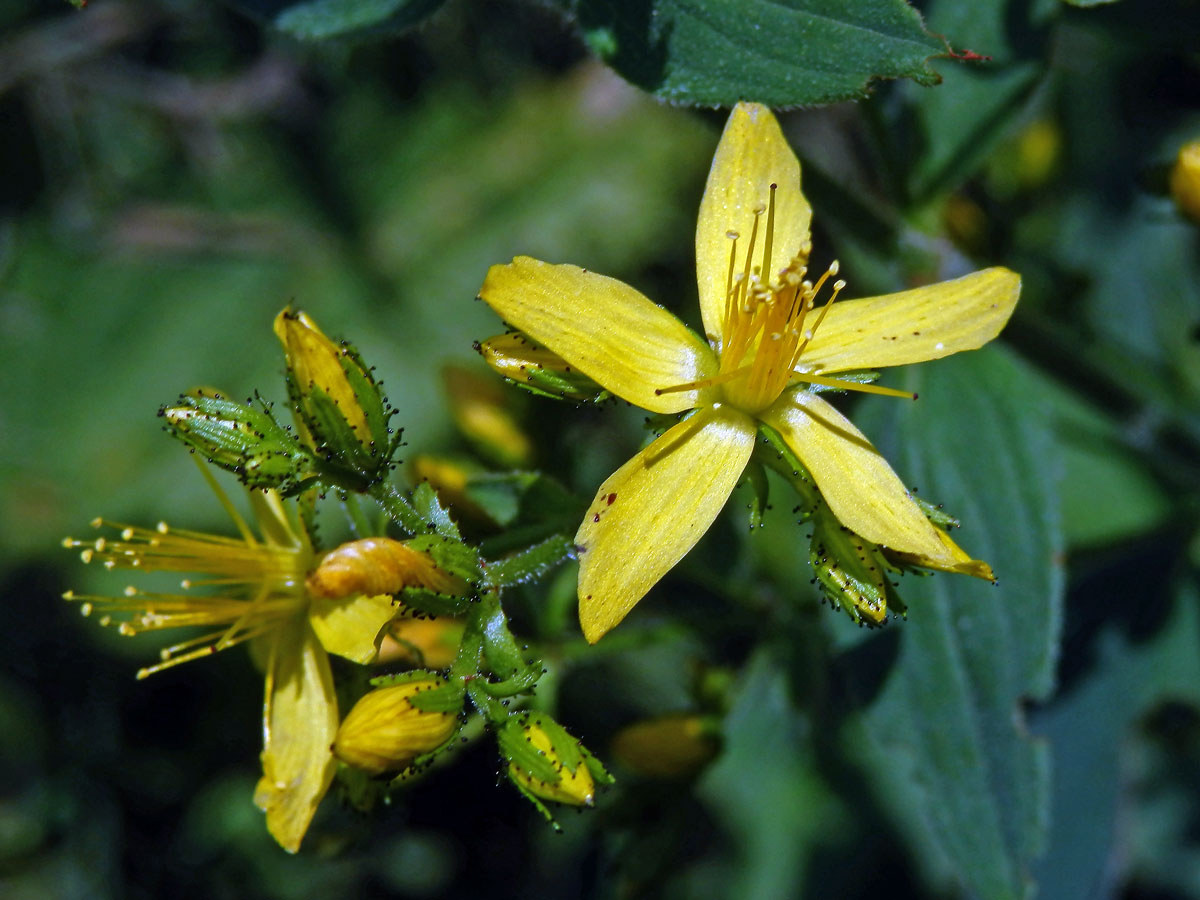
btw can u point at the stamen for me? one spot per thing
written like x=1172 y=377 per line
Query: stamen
x=825 y=381
x=766 y=264
x=704 y=382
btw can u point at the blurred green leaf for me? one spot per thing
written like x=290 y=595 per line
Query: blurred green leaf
x=1089 y=731
x=766 y=789
x=319 y=19
x=782 y=53
x=955 y=127
x=942 y=737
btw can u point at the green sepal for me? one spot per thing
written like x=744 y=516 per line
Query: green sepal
x=374 y=405
x=851 y=570
x=530 y=564
x=573 y=386
x=935 y=514
x=429 y=507
x=515 y=747
x=447 y=697
x=773 y=452
x=451 y=554
x=431 y=603
x=533 y=368
x=522 y=681
x=352 y=463
x=756 y=476
x=240 y=438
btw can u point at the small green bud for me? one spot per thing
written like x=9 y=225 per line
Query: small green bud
x=850 y=569
x=238 y=437
x=340 y=410
x=538 y=370
x=545 y=762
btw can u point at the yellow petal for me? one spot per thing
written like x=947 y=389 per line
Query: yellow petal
x=751 y=156
x=653 y=509
x=351 y=627
x=855 y=480
x=963 y=563
x=300 y=720
x=605 y=328
x=914 y=326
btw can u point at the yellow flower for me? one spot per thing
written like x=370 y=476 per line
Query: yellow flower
x=766 y=340
x=263 y=591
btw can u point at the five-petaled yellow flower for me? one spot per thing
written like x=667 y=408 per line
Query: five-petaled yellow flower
x=295 y=606
x=767 y=339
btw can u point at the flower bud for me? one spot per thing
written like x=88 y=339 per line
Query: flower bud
x=1185 y=180
x=238 y=437
x=547 y=763
x=670 y=746
x=340 y=411
x=480 y=410
x=537 y=369
x=385 y=732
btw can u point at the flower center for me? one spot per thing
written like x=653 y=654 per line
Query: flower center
x=768 y=322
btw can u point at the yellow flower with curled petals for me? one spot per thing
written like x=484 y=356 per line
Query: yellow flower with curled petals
x=768 y=339
x=294 y=605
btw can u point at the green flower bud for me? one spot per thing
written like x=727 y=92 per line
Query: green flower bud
x=238 y=437
x=538 y=370
x=341 y=413
x=545 y=762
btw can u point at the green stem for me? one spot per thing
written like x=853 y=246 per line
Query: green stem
x=396 y=505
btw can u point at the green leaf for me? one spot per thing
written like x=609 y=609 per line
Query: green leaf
x=942 y=737
x=1089 y=729
x=319 y=19
x=522 y=498
x=782 y=53
x=955 y=127
x=766 y=790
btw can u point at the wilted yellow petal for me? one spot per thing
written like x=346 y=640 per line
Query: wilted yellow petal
x=653 y=509
x=751 y=156
x=300 y=720
x=855 y=480
x=605 y=328
x=351 y=627
x=914 y=326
